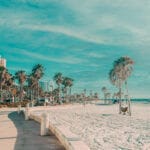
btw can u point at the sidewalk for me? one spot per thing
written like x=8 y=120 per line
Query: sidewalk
x=18 y=134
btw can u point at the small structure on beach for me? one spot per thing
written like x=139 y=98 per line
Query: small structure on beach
x=118 y=75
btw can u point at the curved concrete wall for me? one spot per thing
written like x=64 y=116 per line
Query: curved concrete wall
x=69 y=140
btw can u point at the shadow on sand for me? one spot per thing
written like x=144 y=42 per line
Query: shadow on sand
x=28 y=135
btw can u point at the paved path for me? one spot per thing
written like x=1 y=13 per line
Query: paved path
x=18 y=134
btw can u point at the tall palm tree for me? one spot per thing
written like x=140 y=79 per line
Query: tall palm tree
x=6 y=80
x=55 y=94
x=21 y=77
x=104 y=90
x=68 y=82
x=32 y=82
x=8 y=87
x=14 y=90
x=2 y=76
x=58 y=78
x=122 y=69
x=37 y=73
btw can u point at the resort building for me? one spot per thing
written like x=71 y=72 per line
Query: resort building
x=2 y=62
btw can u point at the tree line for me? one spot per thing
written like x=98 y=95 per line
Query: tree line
x=28 y=87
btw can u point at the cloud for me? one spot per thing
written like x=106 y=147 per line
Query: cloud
x=92 y=22
x=119 y=23
x=14 y=69
x=46 y=57
x=17 y=59
x=66 y=31
x=96 y=55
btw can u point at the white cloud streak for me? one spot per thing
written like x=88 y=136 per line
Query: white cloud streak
x=121 y=16
x=96 y=55
x=66 y=31
x=63 y=59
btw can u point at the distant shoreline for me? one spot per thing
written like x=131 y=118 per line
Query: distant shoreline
x=143 y=101
x=136 y=100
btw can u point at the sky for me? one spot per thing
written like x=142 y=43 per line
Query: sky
x=80 y=38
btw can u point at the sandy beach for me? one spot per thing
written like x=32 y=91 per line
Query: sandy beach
x=101 y=127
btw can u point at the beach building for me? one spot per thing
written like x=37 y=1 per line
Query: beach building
x=2 y=62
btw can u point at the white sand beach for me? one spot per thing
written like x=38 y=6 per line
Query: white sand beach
x=102 y=128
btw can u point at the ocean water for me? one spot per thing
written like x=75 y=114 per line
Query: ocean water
x=141 y=100
x=136 y=100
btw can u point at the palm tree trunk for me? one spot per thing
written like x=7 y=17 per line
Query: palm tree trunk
x=70 y=91
x=120 y=95
x=104 y=98
x=31 y=93
x=21 y=92
x=129 y=100
x=37 y=90
x=1 y=91
x=120 y=101
x=59 y=94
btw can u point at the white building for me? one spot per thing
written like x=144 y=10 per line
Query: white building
x=2 y=62
x=47 y=86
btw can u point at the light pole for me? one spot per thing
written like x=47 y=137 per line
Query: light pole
x=51 y=89
x=52 y=86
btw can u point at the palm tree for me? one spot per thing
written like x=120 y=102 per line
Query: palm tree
x=55 y=94
x=58 y=78
x=21 y=77
x=37 y=74
x=64 y=91
x=14 y=90
x=104 y=90
x=6 y=80
x=122 y=69
x=68 y=82
x=38 y=71
x=2 y=76
x=32 y=82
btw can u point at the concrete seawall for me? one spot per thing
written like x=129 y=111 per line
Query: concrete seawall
x=68 y=139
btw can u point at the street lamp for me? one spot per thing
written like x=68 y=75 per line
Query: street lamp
x=52 y=86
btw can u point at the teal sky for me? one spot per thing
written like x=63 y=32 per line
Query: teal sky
x=80 y=38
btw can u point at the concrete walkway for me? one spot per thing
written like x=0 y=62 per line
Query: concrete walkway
x=18 y=134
